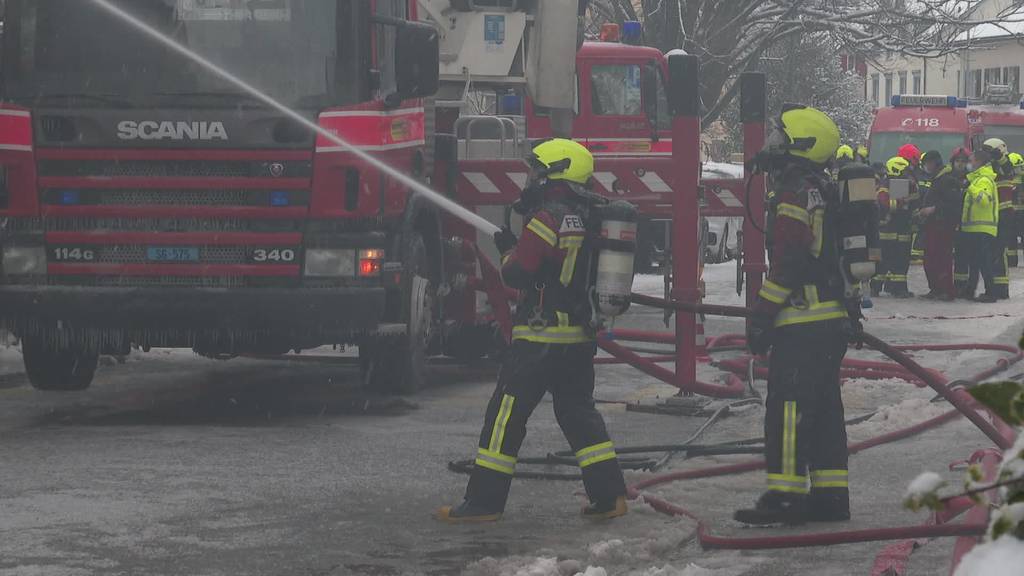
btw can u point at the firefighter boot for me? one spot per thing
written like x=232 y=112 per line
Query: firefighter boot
x=605 y=510
x=467 y=513
x=828 y=505
x=775 y=507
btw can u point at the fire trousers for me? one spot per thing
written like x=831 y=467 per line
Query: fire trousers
x=1005 y=244
x=805 y=435
x=938 y=257
x=976 y=255
x=528 y=372
x=896 y=239
x=1008 y=233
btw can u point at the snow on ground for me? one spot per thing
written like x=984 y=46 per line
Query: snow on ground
x=1004 y=557
x=894 y=402
x=722 y=170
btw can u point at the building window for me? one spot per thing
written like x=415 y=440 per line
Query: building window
x=975 y=84
x=888 y=88
x=1011 y=77
x=916 y=82
x=903 y=82
x=992 y=76
x=875 y=88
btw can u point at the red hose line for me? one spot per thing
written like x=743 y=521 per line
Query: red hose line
x=963 y=404
x=710 y=541
x=958 y=398
x=733 y=388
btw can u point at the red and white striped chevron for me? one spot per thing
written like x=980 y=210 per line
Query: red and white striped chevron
x=646 y=182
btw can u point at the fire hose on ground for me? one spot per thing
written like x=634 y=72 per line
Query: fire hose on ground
x=992 y=426
x=903 y=367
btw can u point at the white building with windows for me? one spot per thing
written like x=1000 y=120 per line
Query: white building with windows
x=991 y=55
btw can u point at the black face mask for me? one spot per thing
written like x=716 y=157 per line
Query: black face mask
x=530 y=198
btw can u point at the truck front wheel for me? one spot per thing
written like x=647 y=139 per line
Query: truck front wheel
x=52 y=367
x=397 y=364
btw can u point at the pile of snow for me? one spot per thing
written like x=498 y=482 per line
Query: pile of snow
x=925 y=483
x=519 y=566
x=1004 y=557
x=898 y=416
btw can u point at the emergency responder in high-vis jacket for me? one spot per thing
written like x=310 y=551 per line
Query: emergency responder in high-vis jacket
x=896 y=213
x=805 y=325
x=553 y=346
x=979 y=225
x=961 y=249
x=993 y=152
x=1017 y=161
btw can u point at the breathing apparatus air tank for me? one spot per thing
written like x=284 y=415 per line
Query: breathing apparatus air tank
x=859 y=250
x=615 y=250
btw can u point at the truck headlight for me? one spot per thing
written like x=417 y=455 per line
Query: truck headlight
x=24 y=260
x=330 y=262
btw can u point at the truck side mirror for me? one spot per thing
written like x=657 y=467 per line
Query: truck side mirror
x=649 y=96
x=417 y=60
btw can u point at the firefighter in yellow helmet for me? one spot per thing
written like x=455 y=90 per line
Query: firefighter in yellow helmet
x=844 y=155
x=805 y=325
x=553 y=344
x=895 y=198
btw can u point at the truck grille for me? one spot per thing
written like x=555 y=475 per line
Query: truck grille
x=185 y=197
x=78 y=224
x=175 y=169
x=154 y=281
x=135 y=254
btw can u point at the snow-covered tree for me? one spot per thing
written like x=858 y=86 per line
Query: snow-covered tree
x=734 y=36
x=799 y=71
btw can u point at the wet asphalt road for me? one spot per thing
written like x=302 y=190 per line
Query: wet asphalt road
x=178 y=465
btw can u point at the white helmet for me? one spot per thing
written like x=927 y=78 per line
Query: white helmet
x=995 y=146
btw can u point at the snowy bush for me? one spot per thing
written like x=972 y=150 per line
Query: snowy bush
x=1002 y=552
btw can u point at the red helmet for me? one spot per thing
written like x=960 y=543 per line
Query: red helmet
x=959 y=151
x=910 y=153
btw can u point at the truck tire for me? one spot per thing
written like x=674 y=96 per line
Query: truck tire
x=56 y=369
x=397 y=364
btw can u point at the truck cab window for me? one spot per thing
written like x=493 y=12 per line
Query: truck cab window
x=615 y=90
x=385 y=62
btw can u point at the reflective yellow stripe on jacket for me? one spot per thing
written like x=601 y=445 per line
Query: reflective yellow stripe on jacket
x=813 y=311
x=552 y=334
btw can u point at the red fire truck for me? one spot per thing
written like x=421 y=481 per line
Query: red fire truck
x=622 y=112
x=930 y=122
x=146 y=202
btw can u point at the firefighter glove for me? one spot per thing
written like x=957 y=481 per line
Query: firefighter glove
x=759 y=335
x=505 y=240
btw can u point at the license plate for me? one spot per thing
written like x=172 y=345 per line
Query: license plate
x=172 y=254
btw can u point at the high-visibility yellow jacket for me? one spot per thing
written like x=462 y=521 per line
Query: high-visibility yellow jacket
x=981 y=203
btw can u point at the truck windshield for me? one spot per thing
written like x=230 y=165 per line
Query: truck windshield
x=70 y=49
x=884 y=145
x=1012 y=135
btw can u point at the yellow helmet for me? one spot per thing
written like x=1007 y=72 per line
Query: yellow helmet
x=805 y=132
x=1016 y=159
x=896 y=165
x=844 y=151
x=862 y=153
x=562 y=159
